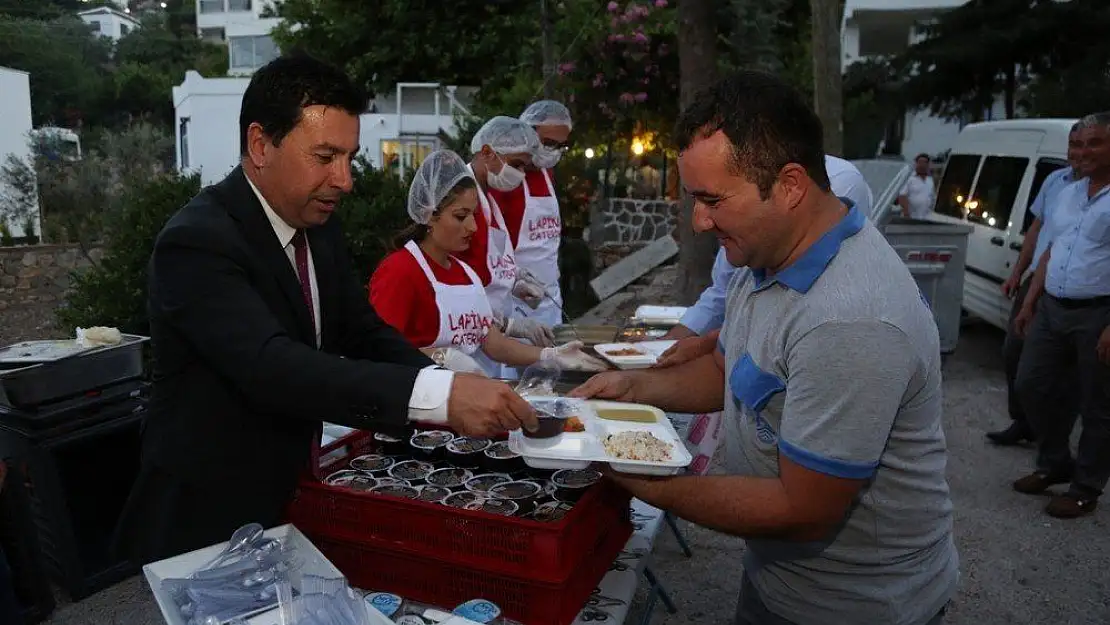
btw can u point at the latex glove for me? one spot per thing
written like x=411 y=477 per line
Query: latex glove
x=572 y=358
x=537 y=333
x=456 y=360
x=528 y=288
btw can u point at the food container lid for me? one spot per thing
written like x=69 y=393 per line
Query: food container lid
x=411 y=470
x=576 y=478
x=385 y=602
x=432 y=493
x=449 y=476
x=460 y=499
x=482 y=483
x=503 y=507
x=395 y=490
x=516 y=490
x=391 y=481
x=501 y=451
x=385 y=438
x=431 y=439
x=355 y=480
x=468 y=445
x=371 y=463
x=478 y=610
x=551 y=511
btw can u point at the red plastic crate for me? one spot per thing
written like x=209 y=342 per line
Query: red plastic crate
x=509 y=546
x=432 y=581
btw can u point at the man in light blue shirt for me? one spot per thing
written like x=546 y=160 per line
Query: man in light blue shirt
x=1036 y=242
x=704 y=318
x=1071 y=328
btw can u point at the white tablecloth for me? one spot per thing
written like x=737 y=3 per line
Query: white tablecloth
x=613 y=597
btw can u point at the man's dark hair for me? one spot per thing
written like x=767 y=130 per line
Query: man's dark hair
x=923 y=156
x=279 y=91
x=1076 y=127
x=768 y=123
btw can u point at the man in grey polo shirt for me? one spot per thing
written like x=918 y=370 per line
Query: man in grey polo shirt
x=829 y=374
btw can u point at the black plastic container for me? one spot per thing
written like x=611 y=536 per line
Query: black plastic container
x=466 y=451
x=570 y=484
x=498 y=458
x=525 y=494
x=391 y=445
x=430 y=445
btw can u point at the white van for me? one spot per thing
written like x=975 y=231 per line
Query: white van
x=992 y=176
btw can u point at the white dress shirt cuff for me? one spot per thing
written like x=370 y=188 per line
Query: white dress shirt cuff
x=428 y=402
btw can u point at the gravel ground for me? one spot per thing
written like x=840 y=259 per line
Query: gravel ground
x=1019 y=566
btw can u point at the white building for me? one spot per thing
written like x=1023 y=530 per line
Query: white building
x=877 y=28
x=241 y=25
x=15 y=135
x=398 y=132
x=109 y=22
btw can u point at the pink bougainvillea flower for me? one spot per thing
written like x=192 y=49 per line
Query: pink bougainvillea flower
x=613 y=7
x=640 y=97
x=640 y=37
x=627 y=98
x=660 y=4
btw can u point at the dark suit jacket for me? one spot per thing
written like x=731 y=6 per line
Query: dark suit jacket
x=239 y=389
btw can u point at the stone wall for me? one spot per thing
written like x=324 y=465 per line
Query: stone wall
x=629 y=222
x=34 y=281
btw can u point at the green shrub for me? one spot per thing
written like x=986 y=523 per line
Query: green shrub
x=113 y=292
x=373 y=214
x=6 y=238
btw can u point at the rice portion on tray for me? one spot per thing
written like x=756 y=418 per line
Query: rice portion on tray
x=637 y=446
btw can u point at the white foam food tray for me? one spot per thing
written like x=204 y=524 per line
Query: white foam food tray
x=577 y=450
x=314 y=563
x=649 y=352
x=659 y=314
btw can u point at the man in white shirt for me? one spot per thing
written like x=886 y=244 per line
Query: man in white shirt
x=919 y=192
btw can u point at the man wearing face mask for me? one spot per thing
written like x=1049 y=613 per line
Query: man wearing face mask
x=532 y=214
x=502 y=150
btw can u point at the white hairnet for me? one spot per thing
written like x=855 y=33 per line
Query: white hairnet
x=437 y=175
x=505 y=135
x=547 y=113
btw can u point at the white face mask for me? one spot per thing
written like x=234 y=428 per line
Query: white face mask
x=546 y=158
x=507 y=179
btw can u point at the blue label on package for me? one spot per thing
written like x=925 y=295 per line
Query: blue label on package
x=478 y=610
x=384 y=602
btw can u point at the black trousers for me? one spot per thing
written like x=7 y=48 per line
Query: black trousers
x=1013 y=346
x=10 y=611
x=1062 y=343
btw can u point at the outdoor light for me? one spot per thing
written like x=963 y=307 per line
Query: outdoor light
x=637 y=147
x=990 y=222
x=589 y=152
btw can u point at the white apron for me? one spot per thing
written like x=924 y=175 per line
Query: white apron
x=537 y=250
x=502 y=270
x=465 y=316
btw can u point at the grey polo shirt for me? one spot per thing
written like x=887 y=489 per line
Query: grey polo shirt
x=834 y=363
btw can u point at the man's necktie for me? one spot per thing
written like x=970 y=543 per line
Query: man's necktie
x=300 y=256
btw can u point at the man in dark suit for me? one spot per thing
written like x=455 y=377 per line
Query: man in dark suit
x=260 y=331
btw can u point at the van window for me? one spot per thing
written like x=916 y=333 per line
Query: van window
x=955 y=186
x=996 y=190
x=1045 y=166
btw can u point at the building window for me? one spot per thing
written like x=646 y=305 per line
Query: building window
x=252 y=52
x=95 y=26
x=210 y=6
x=212 y=35
x=183 y=140
x=123 y=30
x=238 y=5
x=403 y=156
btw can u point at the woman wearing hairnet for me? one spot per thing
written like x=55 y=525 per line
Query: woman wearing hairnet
x=436 y=300
x=532 y=214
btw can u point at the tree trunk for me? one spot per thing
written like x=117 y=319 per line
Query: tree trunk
x=828 y=81
x=697 y=58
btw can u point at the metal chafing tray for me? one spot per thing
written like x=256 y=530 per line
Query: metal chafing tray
x=37 y=372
